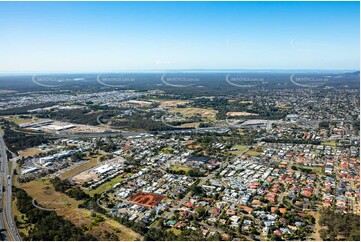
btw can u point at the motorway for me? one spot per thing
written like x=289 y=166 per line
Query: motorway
x=6 y=199
x=124 y=133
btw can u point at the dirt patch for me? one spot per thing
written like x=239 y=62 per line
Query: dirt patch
x=173 y=103
x=191 y=125
x=316 y=234
x=205 y=113
x=238 y=114
x=146 y=199
x=30 y=152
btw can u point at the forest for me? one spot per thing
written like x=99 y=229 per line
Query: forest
x=340 y=226
x=16 y=141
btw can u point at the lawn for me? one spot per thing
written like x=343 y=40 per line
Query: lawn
x=105 y=186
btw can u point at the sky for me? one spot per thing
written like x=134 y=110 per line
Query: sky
x=118 y=36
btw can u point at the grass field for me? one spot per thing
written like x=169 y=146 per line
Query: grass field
x=105 y=186
x=46 y=196
x=253 y=153
x=173 y=103
x=17 y=120
x=22 y=120
x=181 y=168
x=175 y=231
x=317 y=170
x=329 y=143
x=240 y=149
x=92 y=162
x=205 y=113
x=167 y=150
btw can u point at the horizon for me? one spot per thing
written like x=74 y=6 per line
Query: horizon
x=159 y=71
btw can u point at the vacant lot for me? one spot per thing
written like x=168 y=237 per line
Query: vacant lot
x=45 y=196
x=191 y=125
x=17 y=120
x=205 y=113
x=105 y=186
x=181 y=168
x=173 y=103
x=92 y=162
x=317 y=170
x=246 y=102
x=146 y=199
x=241 y=114
x=30 y=152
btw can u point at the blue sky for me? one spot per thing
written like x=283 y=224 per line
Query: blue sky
x=115 y=36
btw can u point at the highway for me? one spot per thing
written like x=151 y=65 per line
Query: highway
x=2 y=224
x=6 y=175
x=125 y=133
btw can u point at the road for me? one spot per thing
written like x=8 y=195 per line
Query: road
x=125 y=133
x=8 y=220
x=2 y=224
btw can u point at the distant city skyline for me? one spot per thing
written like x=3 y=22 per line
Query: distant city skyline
x=134 y=36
